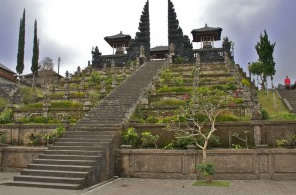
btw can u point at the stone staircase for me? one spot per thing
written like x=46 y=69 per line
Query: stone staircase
x=289 y=96
x=84 y=155
x=213 y=73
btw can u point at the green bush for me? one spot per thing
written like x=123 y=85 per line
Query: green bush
x=166 y=75
x=130 y=137
x=166 y=89
x=6 y=116
x=77 y=95
x=56 y=95
x=30 y=95
x=32 y=106
x=66 y=104
x=170 y=146
x=38 y=139
x=3 y=139
x=152 y=119
x=94 y=97
x=148 y=139
x=179 y=60
x=3 y=103
x=264 y=114
x=226 y=117
x=184 y=139
x=95 y=78
x=206 y=169
x=39 y=119
x=169 y=102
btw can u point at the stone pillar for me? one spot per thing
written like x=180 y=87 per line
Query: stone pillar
x=103 y=89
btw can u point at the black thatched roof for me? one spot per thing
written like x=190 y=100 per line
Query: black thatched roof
x=159 y=48
x=117 y=38
x=206 y=31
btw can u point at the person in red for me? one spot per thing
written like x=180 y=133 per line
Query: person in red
x=287 y=82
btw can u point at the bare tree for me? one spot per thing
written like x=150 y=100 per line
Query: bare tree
x=46 y=64
x=206 y=102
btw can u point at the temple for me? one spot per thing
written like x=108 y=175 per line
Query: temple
x=207 y=37
x=118 y=42
x=127 y=49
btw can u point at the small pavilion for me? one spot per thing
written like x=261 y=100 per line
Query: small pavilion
x=118 y=42
x=207 y=36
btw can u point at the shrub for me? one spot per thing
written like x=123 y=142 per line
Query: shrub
x=6 y=116
x=264 y=114
x=94 y=97
x=66 y=104
x=148 y=139
x=3 y=103
x=152 y=119
x=206 y=169
x=166 y=75
x=3 y=139
x=169 y=102
x=130 y=137
x=166 y=89
x=56 y=95
x=183 y=141
x=32 y=106
x=179 y=60
x=170 y=146
x=39 y=119
x=246 y=82
x=226 y=117
x=95 y=78
x=77 y=95
x=30 y=95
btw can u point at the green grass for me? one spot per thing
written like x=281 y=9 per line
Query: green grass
x=213 y=183
x=281 y=112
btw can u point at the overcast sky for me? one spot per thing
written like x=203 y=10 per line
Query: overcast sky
x=70 y=28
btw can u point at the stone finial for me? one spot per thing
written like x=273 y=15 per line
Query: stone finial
x=67 y=74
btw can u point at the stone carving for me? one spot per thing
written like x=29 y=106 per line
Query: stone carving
x=103 y=89
x=172 y=49
x=142 y=52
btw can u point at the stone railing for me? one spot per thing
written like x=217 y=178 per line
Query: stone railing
x=119 y=60
x=231 y=164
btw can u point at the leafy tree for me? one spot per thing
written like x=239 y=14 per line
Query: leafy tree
x=35 y=58
x=21 y=45
x=265 y=51
x=46 y=64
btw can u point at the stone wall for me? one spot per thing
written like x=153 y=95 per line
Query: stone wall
x=269 y=131
x=17 y=158
x=16 y=134
x=6 y=89
x=275 y=164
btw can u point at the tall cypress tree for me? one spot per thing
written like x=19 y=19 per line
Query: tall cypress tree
x=35 y=58
x=21 y=45
x=265 y=51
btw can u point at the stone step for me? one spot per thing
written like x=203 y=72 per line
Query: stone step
x=88 y=133
x=88 y=137
x=82 y=139
x=52 y=173
x=81 y=144
x=64 y=162
x=69 y=157
x=87 y=148
x=73 y=152
x=45 y=185
x=88 y=128
x=67 y=180
x=60 y=167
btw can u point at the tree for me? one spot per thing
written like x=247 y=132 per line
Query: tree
x=257 y=69
x=204 y=101
x=265 y=51
x=21 y=45
x=209 y=103
x=35 y=58
x=46 y=64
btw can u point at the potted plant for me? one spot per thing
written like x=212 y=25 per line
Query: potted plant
x=207 y=170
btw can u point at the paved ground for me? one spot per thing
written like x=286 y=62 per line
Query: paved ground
x=131 y=186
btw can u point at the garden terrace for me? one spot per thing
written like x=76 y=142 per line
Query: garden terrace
x=73 y=97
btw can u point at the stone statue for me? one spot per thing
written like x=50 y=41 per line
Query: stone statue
x=78 y=69
x=142 y=51
x=172 y=49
